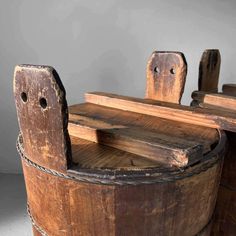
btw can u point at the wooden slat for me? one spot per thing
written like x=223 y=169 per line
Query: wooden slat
x=165 y=149
x=166 y=75
x=229 y=89
x=209 y=70
x=218 y=100
x=118 y=118
x=91 y=155
x=191 y=115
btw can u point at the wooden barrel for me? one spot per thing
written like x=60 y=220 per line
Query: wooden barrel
x=117 y=172
x=208 y=97
x=224 y=220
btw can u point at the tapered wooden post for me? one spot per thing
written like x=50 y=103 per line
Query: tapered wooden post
x=42 y=115
x=166 y=75
x=209 y=70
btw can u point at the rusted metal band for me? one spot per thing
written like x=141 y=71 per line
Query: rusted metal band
x=36 y=226
x=115 y=180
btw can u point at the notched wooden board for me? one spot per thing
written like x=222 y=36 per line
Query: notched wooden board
x=166 y=149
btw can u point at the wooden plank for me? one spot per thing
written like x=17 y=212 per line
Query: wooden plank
x=91 y=155
x=191 y=115
x=209 y=70
x=217 y=100
x=229 y=89
x=165 y=149
x=115 y=118
x=166 y=75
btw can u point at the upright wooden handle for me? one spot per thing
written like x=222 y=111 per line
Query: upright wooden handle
x=209 y=70
x=42 y=114
x=166 y=75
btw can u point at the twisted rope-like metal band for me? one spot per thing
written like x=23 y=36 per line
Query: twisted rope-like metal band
x=38 y=228
x=114 y=180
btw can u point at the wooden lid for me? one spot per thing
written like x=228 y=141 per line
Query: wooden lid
x=109 y=138
x=124 y=133
x=115 y=132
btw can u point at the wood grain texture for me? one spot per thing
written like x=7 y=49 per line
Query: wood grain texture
x=113 y=118
x=101 y=117
x=91 y=155
x=219 y=100
x=225 y=215
x=165 y=149
x=206 y=231
x=166 y=75
x=179 y=202
x=229 y=171
x=224 y=218
x=209 y=70
x=42 y=116
x=229 y=89
x=180 y=208
x=224 y=222
x=192 y=115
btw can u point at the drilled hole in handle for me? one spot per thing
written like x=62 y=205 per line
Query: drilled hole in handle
x=172 y=71
x=156 y=70
x=24 y=97
x=43 y=102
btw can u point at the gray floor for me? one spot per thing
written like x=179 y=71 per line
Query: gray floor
x=13 y=216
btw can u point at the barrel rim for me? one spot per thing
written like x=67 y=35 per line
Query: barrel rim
x=136 y=177
x=220 y=145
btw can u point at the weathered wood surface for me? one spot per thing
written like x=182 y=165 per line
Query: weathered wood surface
x=206 y=231
x=165 y=149
x=92 y=156
x=229 y=89
x=191 y=115
x=209 y=70
x=220 y=100
x=88 y=121
x=42 y=115
x=225 y=214
x=166 y=75
x=113 y=118
x=224 y=219
x=64 y=206
x=180 y=208
x=224 y=222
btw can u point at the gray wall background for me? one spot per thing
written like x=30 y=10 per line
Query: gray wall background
x=104 y=45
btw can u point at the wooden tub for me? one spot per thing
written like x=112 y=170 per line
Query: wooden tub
x=130 y=169
x=224 y=102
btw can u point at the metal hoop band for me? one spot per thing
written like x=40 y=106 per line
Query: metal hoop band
x=118 y=180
